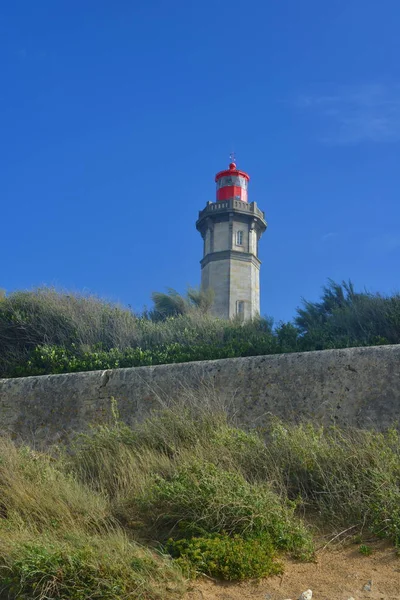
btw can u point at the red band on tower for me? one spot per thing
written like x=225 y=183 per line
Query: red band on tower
x=232 y=184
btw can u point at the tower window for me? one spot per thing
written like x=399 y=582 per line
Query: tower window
x=239 y=238
x=240 y=308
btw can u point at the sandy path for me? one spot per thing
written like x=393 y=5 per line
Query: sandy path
x=337 y=575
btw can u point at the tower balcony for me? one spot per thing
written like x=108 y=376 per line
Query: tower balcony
x=213 y=210
x=232 y=204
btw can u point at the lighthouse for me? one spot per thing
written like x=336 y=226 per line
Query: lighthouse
x=231 y=228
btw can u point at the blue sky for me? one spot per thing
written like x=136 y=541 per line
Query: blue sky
x=115 y=117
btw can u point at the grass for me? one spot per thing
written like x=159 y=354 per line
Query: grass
x=200 y=498
x=50 y=331
x=79 y=567
x=59 y=539
x=348 y=477
x=133 y=513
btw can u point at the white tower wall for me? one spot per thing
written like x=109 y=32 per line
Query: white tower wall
x=230 y=265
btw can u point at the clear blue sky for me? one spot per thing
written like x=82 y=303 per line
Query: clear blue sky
x=115 y=117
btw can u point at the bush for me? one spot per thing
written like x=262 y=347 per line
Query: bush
x=188 y=465
x=225 y=557
x=48 y=317
x=57 y=359
x=345 y=318
x=45 y=331
x=200 y=498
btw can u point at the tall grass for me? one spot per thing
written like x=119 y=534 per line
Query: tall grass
x=78 y=567
x=49 y=331
x=47 y=316
x=36 y=492
x=46 y=331
x=350 y=478
x=340 y=478
x=96 y=519
x=59 y=538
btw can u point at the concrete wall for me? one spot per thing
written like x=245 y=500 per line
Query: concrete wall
x=359 y=387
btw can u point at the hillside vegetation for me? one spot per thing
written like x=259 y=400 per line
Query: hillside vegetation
x=46 y=331
x=135 y=513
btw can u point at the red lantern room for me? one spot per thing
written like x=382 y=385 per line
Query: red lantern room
x=232 y=184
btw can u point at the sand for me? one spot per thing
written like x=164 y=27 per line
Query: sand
x=337 y=574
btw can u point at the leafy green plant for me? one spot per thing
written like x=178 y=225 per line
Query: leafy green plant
x=200 y=498
x=57 y=359
x=225 y=557
x=48 y=331
x=365 y=550
x=345 y=318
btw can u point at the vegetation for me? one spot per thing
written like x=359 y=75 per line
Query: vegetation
x=173 y=304
x=46 y=331
x=225 y=557
x=59 y=540
x=78 y=568
x=365 y=550
x=345 y=318
x=132 y=513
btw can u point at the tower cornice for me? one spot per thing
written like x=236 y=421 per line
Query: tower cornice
x=214 y=210
x=231 y=255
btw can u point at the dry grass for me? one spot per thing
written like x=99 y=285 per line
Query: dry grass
x=59 y=539
x=82 y=514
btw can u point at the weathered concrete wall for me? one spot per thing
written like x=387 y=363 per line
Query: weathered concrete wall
x=358 y=386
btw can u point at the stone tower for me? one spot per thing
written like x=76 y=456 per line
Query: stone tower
x=231 y=228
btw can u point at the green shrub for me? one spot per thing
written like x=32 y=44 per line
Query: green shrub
x=343 y=478
x=200 y=498
x=46 y=331
x=223 y=500
x=345 y=318
x=47 y=316
x=226 y=557
x=59 y=359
